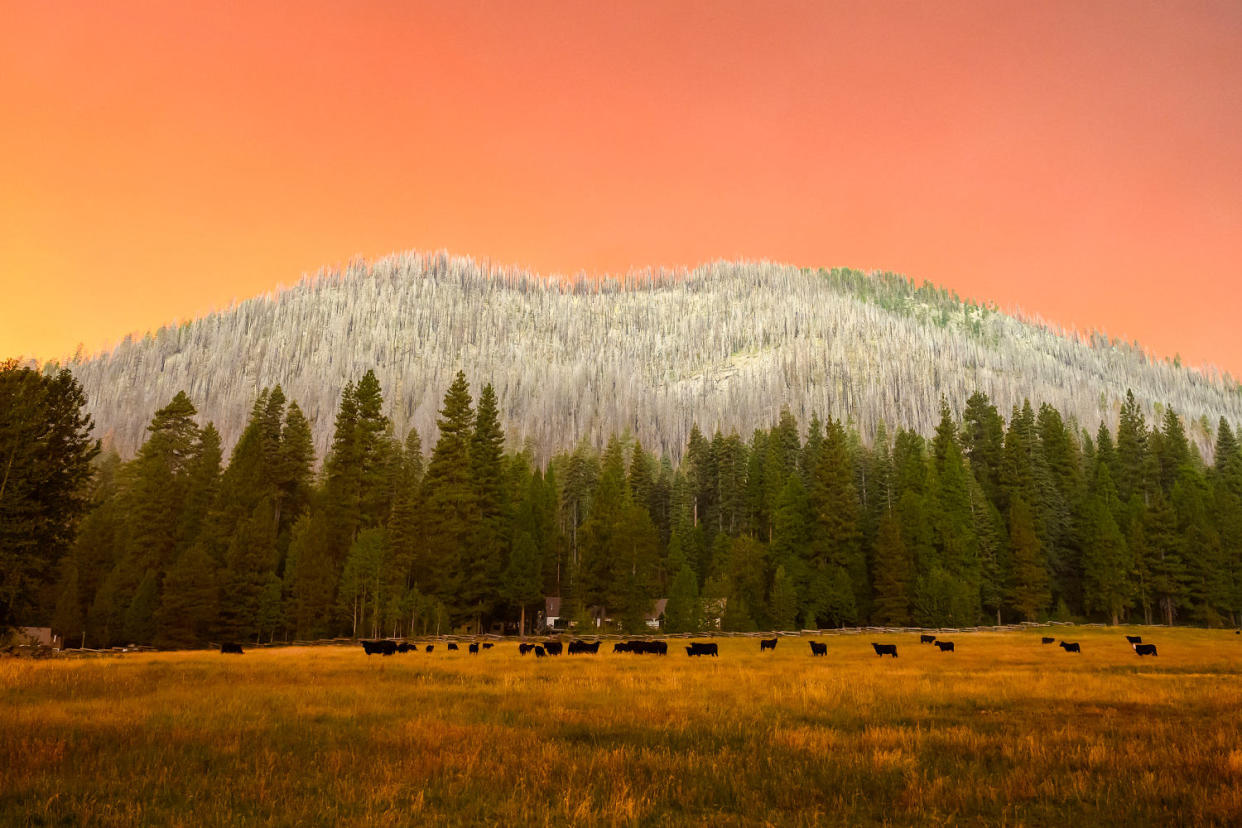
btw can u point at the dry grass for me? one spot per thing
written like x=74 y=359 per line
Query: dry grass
x=1005 y=731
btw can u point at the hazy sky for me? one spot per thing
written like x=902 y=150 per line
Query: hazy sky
x=1079 y=160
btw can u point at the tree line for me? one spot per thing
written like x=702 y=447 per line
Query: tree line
x=987 y=519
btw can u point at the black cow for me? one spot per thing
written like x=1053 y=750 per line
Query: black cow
x=1047 y=640
x=474 y=649
x=487 y=645
x=524 y=648
x=642 y=647
x=927 y=639
x=1134 y=639
x=1071 y=647
x=384 y=648
x=430 y=647
x=1145 y=649
x=945 y=646
x=539 y=651
x=767 y=644
x=452 y=646
x=405 y=647
x=579 y=646
x=697 y=649
x=818 y=648
x=553 y=647
x=885 y=649
x=235 y=649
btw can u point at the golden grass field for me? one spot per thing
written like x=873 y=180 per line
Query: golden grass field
x=1004 y=731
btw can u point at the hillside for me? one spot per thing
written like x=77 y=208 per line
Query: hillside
x=726 y=345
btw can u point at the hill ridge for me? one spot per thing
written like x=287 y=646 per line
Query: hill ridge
x=727 y=345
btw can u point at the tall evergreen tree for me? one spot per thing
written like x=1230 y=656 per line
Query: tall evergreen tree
x=451 y=510
x=481 y=568
x=1030 y=593
x=45 y=456
x=835 y=547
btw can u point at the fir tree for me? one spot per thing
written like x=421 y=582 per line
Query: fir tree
x=490 y=532
x=1107 y=563
x=783 y=603
x=1029 y=592
x=835 y=547
x=523 y=579
x=189 y=606
x=449 y=496
x=683 y=613
x=140 y=615
x=893 y=574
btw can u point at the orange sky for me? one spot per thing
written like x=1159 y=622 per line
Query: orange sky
x=1081 y=160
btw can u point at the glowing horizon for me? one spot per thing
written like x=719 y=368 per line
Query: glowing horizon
x=1075 y=163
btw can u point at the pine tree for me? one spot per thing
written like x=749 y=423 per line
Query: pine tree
x=294 y=470
x=1163 y=562
x=450 y=510
x=68 y=620
x=189 y=607
x=893 y=574
x=683 y=613
x=249 y=561
x=140 y=615
x=1029 y=592
x=747 y=573
x=1132 y=462
x=360 y=594
x=405 y=522
x=835 y=547
x=481 y=568
x=1228 y=465
x=983 y=439
x=45 y=456
x=523 y=578
x=1107 y=562
x=783 y=603
x=311 y=576
x=160 y=481
x=953 y=523
x=202 y=486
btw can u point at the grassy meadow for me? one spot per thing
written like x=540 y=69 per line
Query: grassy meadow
x=1004 y=731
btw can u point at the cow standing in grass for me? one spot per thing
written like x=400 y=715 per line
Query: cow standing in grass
x=1071 y=647
x=945 y=646
x=818 y=648
x=1145 y=649
x=1047 y=640
x=697 y=649
x=767 y=644
x=885 y=649
x=927 y=639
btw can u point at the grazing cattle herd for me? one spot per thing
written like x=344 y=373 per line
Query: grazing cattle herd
x=387 y=647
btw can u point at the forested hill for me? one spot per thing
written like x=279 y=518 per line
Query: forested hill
x=727 y=346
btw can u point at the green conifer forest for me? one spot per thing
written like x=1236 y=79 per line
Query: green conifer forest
x=995 y=517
